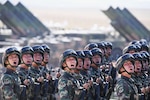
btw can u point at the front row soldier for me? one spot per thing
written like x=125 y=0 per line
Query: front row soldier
x=35 y=72
x=23 y=71
x=125 y=86
x=10 y=85
x=66 y=84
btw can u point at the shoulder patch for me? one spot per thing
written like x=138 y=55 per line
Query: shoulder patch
x=62 y=84
x=6 y=79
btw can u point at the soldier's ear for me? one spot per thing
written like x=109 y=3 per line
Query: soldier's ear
x=6 y=62
x=64 y=64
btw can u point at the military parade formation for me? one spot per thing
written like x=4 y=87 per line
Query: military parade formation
x=88 y=74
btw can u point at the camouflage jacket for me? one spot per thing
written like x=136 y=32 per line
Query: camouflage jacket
x=35 y=73
x=67 y=87
x=10 y=86
x=126 y=90
x=23 y=74
x=138 y=82
x=96 y=73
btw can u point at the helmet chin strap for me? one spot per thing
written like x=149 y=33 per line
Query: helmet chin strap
x=96 y=64
x=45 y=62
x=28 y=65
x=12 y=65
x=125 y=71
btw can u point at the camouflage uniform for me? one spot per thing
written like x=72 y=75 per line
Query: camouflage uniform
x=139 y=84
x=10 y=85
x=125 y=86
x=67 y=84
x=10 y=81
x=35 y=74
x=109 y=71
x=67 y=87
x=89 y=93
x=80 y=81
x=24 y=74
x=126 y=90
x=97 y=88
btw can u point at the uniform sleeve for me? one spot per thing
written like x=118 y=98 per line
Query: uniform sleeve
x=7 y=88
x=122 y=90
x=63 y=89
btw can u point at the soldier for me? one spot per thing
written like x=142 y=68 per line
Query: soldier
x=89 y=95
x=101 y=46
x=95 y=73
x=26 y=61
x=36 y=73
x=125 y=87
x=49 y=88
x=83 y=85
x=137 y=75
x=10 y=85
x=67 y=84
x=108 y=47
x=144 y=75
x=110 y=71
x=144 y=47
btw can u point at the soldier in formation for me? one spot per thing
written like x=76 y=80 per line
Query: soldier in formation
x=11 y=88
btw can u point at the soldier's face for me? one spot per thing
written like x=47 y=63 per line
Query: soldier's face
x=13 y=59
x=145 y=65
x=129 y=67
x=27 y=58
x=37 y=57
x=80 y=63
x=87 y=63
x=46 y=57
x=71 y=62
x=108 y=51
x=138 y=66
x=96 y=59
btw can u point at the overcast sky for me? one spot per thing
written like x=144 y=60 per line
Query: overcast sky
x=100 y=4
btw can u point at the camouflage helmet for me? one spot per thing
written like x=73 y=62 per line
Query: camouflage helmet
x=38 y=48
x=133 y=42
x=144 y=47
x=67 y=53
x=90 y=46
x=138 y=47
x=108 y=45
x=143 y=41
x=11 y=50
x=80 y=54
x=88 y=54
x=128 y=48
x=101 y=45
x=120 y=61
x=137 y=56
x=26 y=49
x=96 y=51
x=46 y=48
x=147 y=55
